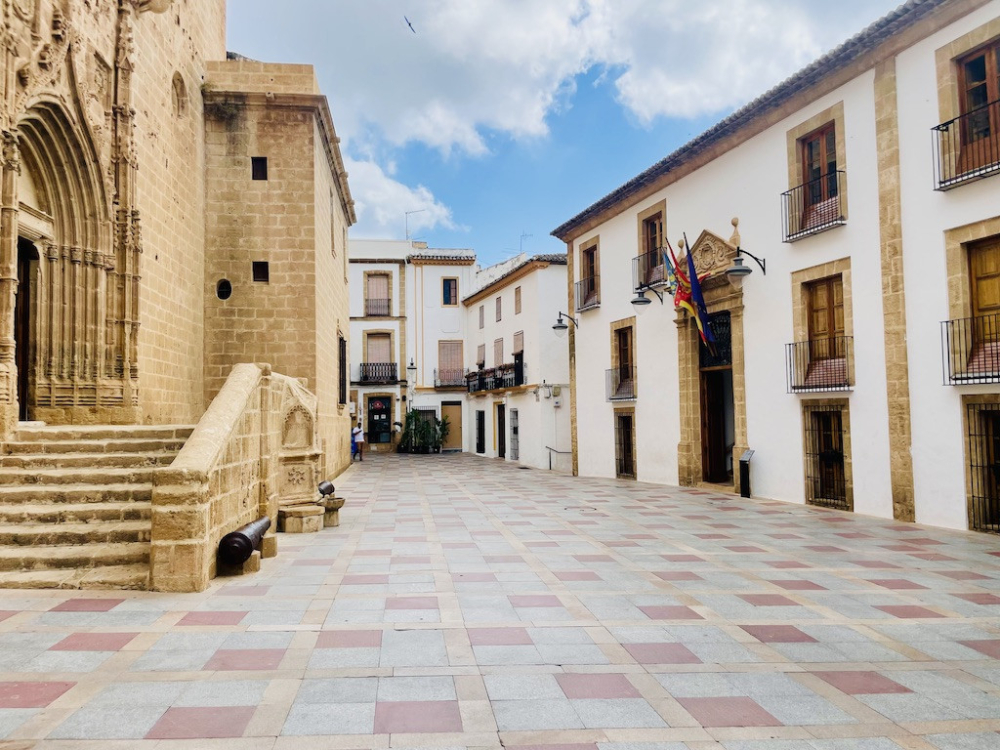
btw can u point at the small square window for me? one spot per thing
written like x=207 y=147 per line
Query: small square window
x=258 y=167
x=261 y=272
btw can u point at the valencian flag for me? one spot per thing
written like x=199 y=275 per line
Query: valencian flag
x=689 y=297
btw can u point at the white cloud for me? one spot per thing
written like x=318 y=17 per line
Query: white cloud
x=382 y=202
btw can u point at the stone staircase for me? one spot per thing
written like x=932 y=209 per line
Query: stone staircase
x=75 y=504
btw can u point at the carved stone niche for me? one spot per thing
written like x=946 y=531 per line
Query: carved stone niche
x=713 y=255
x=299 y=456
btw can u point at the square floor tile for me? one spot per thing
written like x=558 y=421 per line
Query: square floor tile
x=989 y=647
x=673 y=612
x=661 y=653
x=859 y=683
x=596 y=686
x=411 y=602
x=535 y=715
x=31 y=694
x=728 y=712
x=105 y=723
x=212 y=618
x=201 y=723
x=617 y=714
x=767 y=600
x=251 y=659
x=499 y=637
x=349 y=639
x=87 y=605
x=94 y=642
x=417 y=716
x=534 y=600
x=778 y=634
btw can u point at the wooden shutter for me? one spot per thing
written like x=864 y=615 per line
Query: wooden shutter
x=499 y=299
x=450 y=358
x=519 y=342
x=517 y=301
x=482 y=316
x=984 y=263
x=826 y=308
x=498 y=352
x=378 y=286
x=379 y=348
x=481 y=355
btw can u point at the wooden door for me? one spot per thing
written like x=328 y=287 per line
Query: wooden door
x=826 y=318
x=625 y=445
x=453 y=412
x=26 y=256
x=379 y=424
x=715 y=466
x=984 y=278
x=980 y=91
x=480 y=432
x=830 y=484
x=501 y=431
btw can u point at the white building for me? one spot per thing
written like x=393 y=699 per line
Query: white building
x=834 y=366
x=416 y=334
x=518 y=397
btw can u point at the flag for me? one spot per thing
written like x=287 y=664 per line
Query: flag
x=701 y=316
x=668 y=272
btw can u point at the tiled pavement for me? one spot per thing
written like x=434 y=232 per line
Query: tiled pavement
x=464 y=603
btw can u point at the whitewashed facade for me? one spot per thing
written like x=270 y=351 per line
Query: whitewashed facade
x=840 y=377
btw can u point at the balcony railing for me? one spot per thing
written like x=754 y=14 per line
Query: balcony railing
x=971 y=350
x=448 y=377
x=649 y=270
x=375 y=308
x=813 y=207
x=819 y=365
x=510 y=375
x=621 y=384
x=968 y=147
x=378 y=372
x=588 y=293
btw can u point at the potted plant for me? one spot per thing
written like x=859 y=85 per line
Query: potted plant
x=441 y=429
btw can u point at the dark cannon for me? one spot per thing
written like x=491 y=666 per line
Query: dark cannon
x=237 y=546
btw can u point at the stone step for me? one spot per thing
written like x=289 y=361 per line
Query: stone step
x=43 y=478
x=27 y=433
x=130 y=445
x=76 y=493
x=86 y=460
x=81 y=557
x=85 y=513
x=80 y=534
x=106 y=577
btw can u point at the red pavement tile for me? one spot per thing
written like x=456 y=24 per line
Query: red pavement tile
x=499 y=637
x=982 y=599
x=31 y=694
x=349 y=639
x=94 y=642
x=404 y=717
x=577 y=575
x=364 y=579
x=728 y=712
x=411 y=602
x=6 y=613
x=640 y=536
x=682 y=558
x=873 y=564
x=961 y=575
x=778 y=634
x=823 y=548
x=596 y=686
x=661 y=653
x=768 y=600
x=678 y=575
x=990 y=647
x=671 y=612
x=713 y=536
x=861 y=683
x=87 y=605
x=799 y=585
x=907 y=611
x=744 y=548
x=593 y=558
x=787 y=564
x=212 y=618
x=933 y=557
x=201 y=723
x=534 y=600
x=473 y=577
x=895 y=583
x=244 y=659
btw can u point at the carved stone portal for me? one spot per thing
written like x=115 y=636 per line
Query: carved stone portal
x=300 y=455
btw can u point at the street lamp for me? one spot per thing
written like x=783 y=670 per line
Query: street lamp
x=737 y=272
x=560 y=325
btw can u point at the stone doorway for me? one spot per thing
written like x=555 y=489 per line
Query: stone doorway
x=24 y=318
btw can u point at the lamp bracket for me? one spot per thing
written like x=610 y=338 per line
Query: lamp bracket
x=762 y=262
x=570 y=318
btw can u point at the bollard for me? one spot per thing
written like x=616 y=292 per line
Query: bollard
x=236 y=547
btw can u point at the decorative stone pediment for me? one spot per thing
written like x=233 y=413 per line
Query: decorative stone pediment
x=713 y=255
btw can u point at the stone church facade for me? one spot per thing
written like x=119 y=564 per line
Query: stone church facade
x=166 y=213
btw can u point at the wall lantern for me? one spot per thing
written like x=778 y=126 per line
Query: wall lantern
x=641 y=301
x=737 y=272
x=560 y=324
x=411 y=370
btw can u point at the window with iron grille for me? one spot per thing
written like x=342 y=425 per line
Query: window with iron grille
x=342 y=373
x=826 y=475
x=983 y=448
x=625 y=445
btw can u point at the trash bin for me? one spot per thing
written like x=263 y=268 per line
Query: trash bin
x=745 y=473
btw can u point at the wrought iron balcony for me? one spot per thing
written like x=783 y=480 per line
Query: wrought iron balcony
x=971 y=350
x=813 y=207
x=378 y=372
x=377 y=308
x=649 y=270
x=819 y=365
x=510 y=375
x=588 y=293
x=449 y=377
x=967 y=148
x=621 y=384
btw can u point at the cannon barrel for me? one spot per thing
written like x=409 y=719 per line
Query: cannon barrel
x=236 y=547
x=326 y=488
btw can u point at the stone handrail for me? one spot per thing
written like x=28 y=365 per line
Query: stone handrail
x=223 y=477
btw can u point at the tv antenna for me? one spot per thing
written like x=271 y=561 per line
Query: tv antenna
x=406 y=219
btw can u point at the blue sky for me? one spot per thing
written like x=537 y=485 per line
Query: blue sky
x=506 y=117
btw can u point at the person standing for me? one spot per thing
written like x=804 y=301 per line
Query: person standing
x=358 y=435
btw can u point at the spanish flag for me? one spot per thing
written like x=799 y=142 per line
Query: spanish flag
x=689 y=297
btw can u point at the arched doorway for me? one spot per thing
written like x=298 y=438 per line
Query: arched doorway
x=24 y=343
